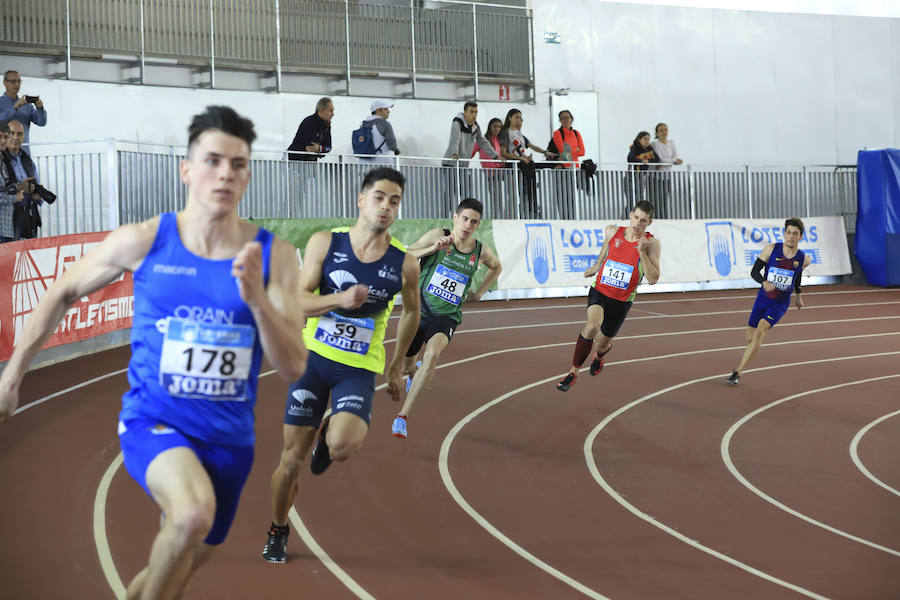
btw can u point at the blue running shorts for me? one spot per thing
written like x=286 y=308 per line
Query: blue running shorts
x=228 y=467
x=769 y=309
x=351 y=391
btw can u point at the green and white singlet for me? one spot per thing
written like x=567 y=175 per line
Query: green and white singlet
x=446 y=277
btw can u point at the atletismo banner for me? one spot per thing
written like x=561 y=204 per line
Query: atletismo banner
x=30 y=266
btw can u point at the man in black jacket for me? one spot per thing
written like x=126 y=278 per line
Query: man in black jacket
x=21 y=169
x=314 y=133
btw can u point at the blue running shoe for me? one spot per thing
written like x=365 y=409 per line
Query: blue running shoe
x=398 y=430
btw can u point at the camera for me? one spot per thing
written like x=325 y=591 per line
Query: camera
x=31 y=99
x=12 y=188
x=45 y=194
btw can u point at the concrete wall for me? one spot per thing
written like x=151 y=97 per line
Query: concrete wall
x=735 y=87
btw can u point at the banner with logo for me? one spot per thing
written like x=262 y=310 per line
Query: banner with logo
x=556 y=253
x=32 y=265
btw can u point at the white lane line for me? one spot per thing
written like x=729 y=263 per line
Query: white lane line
x=726 y=455
x=102 y=544
x=473 y=311
x=326 y=560
x=592 y=467
x=686 y=332
x=100 y=539
x=854 y=451
x=77 y=386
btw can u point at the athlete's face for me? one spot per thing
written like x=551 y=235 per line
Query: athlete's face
x=379 y=204
x=639 y=221
x=217 y=170
x=465 y=223
x=792 y=236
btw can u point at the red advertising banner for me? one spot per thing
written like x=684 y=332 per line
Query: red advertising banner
x=30 y=266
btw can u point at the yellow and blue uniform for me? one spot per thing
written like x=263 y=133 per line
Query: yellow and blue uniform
x=346 y=346
x=194 y=366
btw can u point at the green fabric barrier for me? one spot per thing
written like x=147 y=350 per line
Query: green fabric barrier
x=298 y=232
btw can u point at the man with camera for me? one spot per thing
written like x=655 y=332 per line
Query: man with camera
x=22 y=180
x=7 y=233
x=26 y=109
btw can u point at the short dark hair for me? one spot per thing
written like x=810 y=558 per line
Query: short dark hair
x=656 y=129
x=377 y=174
x=468 y=104
x=6 y=75
x=645 y=206
x=796 y=222
x=221 y=118
x=559 y=116
x=323 y=103
x=471 y=204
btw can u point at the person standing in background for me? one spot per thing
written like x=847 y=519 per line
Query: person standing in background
x=26 y=110
x=667 y=154
x=314 y=133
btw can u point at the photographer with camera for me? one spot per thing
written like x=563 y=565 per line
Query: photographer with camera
x=26 y=109
x=7 y=233
x=22 y=180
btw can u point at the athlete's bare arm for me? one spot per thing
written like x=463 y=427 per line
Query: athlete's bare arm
x=764 y=256
x=807 y=260
x=649 y=250
x=276 y=308
x=492 y=263
x=122 y=250
x=432 y=241
x=406 y=328
x=608 y=233
x=312 y=304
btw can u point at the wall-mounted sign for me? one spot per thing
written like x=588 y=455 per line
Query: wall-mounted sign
x=504 y=91
x=552 y=37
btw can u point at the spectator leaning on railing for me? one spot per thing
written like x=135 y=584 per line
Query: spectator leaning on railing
x=22 y=170
x=314 y=133
x=464 y=133
x=7 y=233
x=26 y=110
x=566 y=140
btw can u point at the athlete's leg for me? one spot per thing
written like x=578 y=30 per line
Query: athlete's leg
x=182 y=489
x=345 y=435
x=433 y=350
x=297 y=443
x=585 y=342
x=759 y=332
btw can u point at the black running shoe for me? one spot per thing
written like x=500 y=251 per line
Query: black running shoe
x=733 y=380
x=276 y=548
x=597 y=364
x=567 y=382
x=321 y=456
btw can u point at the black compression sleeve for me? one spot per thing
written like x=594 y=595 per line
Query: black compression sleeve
x=757 y=271
x=797 y=281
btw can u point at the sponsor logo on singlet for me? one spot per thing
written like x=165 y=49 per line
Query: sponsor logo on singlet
x=161 y=269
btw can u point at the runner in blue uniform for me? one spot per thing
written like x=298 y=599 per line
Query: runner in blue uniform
x=349 y=279
x=212 y=293
x=778 y=269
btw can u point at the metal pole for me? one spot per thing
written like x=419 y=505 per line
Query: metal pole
x=749 y=191
x=412 y=32
x=691 y=193
x=212 y=46
x=68 y=42
x=112 y=189
x=277 y=46
x=531 y=61
x=347 y=34
x=806 y=189
x=515 y=186
x=475 y=49
x=143 y=51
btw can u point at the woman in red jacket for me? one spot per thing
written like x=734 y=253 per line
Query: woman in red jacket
x=568 y=141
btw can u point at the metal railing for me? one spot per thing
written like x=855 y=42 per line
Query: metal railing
x=442 y=38
x=103 y=183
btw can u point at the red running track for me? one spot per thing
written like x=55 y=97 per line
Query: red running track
x=653 y=480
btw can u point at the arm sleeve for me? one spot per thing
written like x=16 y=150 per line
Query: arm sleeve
x=39 y=116
x=797 y=281
x=6 y=108
x=757 y=271
x=300 y=138
x=453 y=144
x=388 y=132
x=485 y=145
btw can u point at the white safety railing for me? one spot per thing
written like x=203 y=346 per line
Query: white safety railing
x=103 y=183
